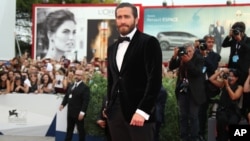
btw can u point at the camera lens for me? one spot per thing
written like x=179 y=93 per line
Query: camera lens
x=225 y=75
x=236 y=31
x=182 y=51
x=203 y=46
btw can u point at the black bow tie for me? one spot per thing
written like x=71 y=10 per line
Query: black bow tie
x=121 y=39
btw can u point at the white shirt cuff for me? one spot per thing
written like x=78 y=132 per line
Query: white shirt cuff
x=142 y=113
x=82 y=113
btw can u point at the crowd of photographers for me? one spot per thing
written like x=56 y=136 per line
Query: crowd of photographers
x=200 y=80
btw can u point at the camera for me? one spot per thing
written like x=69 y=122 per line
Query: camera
x=236 y=31
x=203 y=46
x=201 y=41
x=182 y=51
x=225 y=75
x=184 y=86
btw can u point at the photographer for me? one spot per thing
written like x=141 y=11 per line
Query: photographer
x=239 y=57
x=211 y=63
x=239 y=45
x=211 y=58
x=228 y=111
x=190 y=91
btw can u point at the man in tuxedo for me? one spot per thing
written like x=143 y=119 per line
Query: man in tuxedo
x=134 y=79
x=77 y=98
x=190 y=89
x=218 y=33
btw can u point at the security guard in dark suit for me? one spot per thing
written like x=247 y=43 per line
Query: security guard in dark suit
x=77 y=98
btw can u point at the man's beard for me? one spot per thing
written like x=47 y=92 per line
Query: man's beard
x=126 y=32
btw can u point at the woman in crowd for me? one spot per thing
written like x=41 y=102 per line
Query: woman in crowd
x=60 y=30
x=70 y=76
x=4 y=83
x=11 y=76
x=34 y=83
x=46 y=85
x=18 y=86
x=246 y=89
x=228 y=111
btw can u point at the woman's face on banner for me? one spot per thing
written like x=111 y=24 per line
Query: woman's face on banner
x=64 y=37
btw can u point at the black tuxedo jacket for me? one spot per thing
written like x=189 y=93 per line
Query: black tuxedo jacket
x=195 y=77
x=77 y=99
x=140 y=77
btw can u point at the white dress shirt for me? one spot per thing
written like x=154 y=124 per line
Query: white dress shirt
x=122 y=48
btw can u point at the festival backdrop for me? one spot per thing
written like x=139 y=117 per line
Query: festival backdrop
x=95 y=31
x=195 y=20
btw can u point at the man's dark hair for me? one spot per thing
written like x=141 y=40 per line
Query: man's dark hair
x=126 y=4
x=239 y=25
x=206 y=37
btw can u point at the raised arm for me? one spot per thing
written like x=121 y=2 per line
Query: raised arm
x=246 y=87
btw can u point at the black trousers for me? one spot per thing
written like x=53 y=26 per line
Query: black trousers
x=71 y=122
x=224 y=118
x=189 y=117
x=203 y=118
x=120 y=129
x=107 y=133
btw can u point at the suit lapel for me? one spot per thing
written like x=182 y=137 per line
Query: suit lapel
x=115 y=48
x=76 y=87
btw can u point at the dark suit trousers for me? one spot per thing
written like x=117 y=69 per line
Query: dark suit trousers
x=189 y=121
x=120 y=129
x=71 y=122
x=203 y=118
